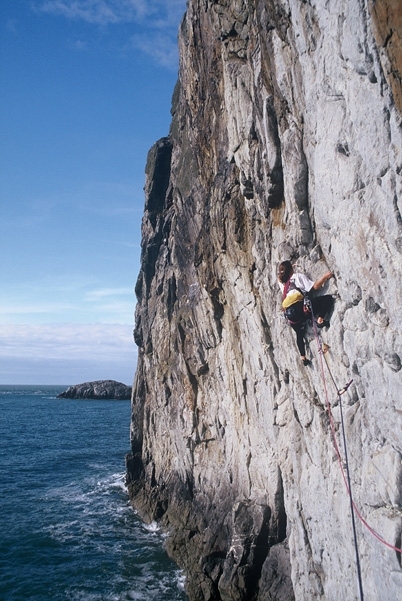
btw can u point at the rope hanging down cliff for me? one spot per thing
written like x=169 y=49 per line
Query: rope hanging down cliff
x=347 y=479
x=299 y=308
x=345 y=465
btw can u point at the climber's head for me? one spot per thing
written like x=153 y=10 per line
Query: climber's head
x=285 y=270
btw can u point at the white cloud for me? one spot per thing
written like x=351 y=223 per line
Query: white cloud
x=72 y=299
x=96 y=295
x=67 y=341
x=66 y=353
x=160 y=47
x=158 y=19
x=155 y=13
x=100 y=12
x=64 y=372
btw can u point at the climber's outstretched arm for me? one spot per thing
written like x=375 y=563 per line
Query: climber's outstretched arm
x=318 y=283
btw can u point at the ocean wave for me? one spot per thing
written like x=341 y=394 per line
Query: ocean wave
x=70 y=533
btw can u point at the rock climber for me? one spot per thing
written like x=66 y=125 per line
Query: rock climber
x=296 y=288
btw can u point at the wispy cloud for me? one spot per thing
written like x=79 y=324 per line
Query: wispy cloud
x=160 y=47
x=96 y=295
x=58 y=341
x=99 y=12
x=67 y=299
x=12 y=26
x=109 y=198
x=158 y=18
x=103 y=198
x=164 y=13
x=66 y=353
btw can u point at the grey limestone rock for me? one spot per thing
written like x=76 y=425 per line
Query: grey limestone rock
x=285 y=143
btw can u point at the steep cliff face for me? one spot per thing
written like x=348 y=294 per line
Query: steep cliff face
x=285 y=143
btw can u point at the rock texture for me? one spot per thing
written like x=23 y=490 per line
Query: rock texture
x=286 y=143
x=101 y=389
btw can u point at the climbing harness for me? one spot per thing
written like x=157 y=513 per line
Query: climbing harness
x=344 y=465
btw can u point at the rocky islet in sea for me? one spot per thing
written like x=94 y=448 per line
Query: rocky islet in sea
x=100 y=389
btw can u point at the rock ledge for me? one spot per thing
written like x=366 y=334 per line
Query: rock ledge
x=101 y=389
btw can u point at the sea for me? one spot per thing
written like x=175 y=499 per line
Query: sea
x=67 y=530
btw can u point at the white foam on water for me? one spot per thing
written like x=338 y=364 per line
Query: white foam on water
x=152 y=527
x=181 y=579
x=135 y=596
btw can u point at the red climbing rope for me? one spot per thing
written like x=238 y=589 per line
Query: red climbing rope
x=346 y=479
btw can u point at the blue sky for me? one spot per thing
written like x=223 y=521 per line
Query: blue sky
x=86 y=90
